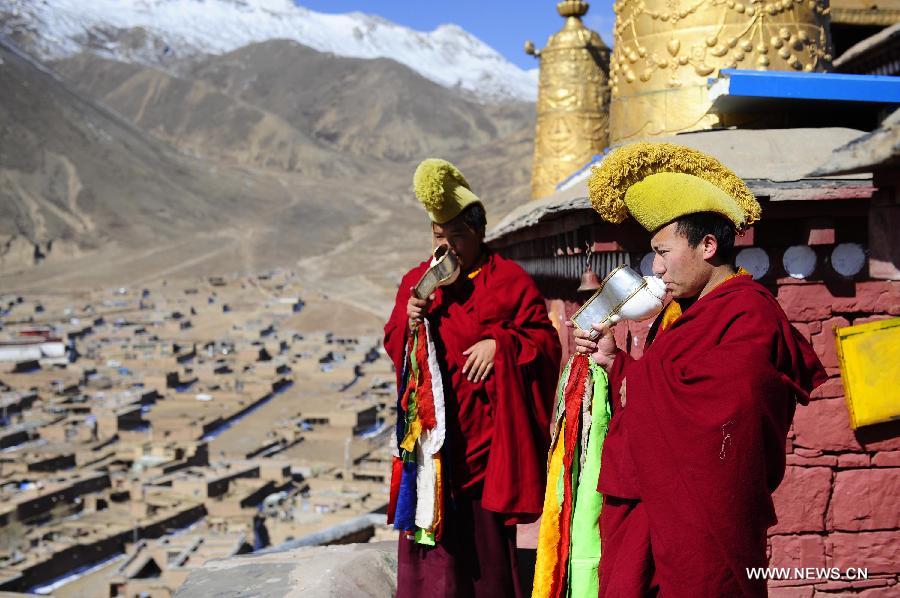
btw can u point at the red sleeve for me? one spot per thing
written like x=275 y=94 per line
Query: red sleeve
x=526 y=367
x=530 y=333
x=617 y=475
x=615 y=375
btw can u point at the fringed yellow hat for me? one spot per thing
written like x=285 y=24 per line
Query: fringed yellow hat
x=442 y=189
x=656 y=183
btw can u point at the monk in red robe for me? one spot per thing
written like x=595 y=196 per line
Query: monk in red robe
x=499 y=358
x=695 y=446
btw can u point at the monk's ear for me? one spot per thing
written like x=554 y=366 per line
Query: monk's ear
x=710 y=246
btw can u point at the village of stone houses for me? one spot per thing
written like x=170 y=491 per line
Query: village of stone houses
x=189 y=422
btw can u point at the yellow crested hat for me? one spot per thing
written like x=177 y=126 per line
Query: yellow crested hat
x=655 y=183
x=442 y=189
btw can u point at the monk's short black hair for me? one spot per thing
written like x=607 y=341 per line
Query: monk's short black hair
x=696 y=226
x=475 y=218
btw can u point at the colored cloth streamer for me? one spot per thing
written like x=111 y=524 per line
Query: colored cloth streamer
x=568 y=553
x=416 y=503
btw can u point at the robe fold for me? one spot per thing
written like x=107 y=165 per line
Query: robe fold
x=691 y=460
x=498 y=431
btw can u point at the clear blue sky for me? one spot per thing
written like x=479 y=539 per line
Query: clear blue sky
x=502 y=24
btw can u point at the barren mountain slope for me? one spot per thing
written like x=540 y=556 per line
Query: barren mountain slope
x=500 y=171
x=318 y=152
x=374 y=108
x=281 y=104
x=73 y=172
x=86 y=198
x=199 y=119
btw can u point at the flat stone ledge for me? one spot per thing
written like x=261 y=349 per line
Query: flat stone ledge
x=347 y=570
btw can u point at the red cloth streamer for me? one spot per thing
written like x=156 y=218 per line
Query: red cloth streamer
x=424 y=394
x=396 y=473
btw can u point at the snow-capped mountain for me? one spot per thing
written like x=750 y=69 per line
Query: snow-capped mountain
x=157 y=31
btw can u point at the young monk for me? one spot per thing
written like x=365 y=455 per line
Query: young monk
x=695 y=445
x=496 y=359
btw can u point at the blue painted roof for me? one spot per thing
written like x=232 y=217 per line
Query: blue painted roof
x=738 y=87
x=806 y=86
x=594 y=159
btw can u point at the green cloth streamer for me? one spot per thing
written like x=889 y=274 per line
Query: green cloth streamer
x=424 y=537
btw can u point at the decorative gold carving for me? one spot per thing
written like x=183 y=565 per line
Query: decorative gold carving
x=665 y=50
x=573 y=99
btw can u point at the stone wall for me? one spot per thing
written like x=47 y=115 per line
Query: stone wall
x=346 y=571
x=839 y=503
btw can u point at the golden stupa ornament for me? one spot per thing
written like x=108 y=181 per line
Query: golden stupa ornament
x=665 y=50
x=573 y=98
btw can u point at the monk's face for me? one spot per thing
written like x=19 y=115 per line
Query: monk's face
x=686 y=270
x=463 y=240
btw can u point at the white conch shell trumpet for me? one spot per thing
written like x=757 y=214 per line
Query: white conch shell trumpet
x=623 y=295
x=444 y=270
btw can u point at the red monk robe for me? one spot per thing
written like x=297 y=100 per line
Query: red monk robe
x=691 y=460
x=497 y=430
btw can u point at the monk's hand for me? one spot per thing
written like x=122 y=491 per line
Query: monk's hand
x=480 y=360
x=602 y=349
x=416 y=308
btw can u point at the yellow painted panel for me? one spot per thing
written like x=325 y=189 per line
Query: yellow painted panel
x=869 y=355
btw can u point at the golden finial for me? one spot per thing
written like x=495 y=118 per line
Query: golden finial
x=572 y=108
x=572 y=8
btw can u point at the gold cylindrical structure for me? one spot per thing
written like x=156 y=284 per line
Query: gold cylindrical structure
x=665 y=51
x=572 y=108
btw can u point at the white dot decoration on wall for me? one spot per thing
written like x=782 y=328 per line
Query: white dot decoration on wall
x=799 y=261
x=848 y=259
x=647 y=264
x=754 y=260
